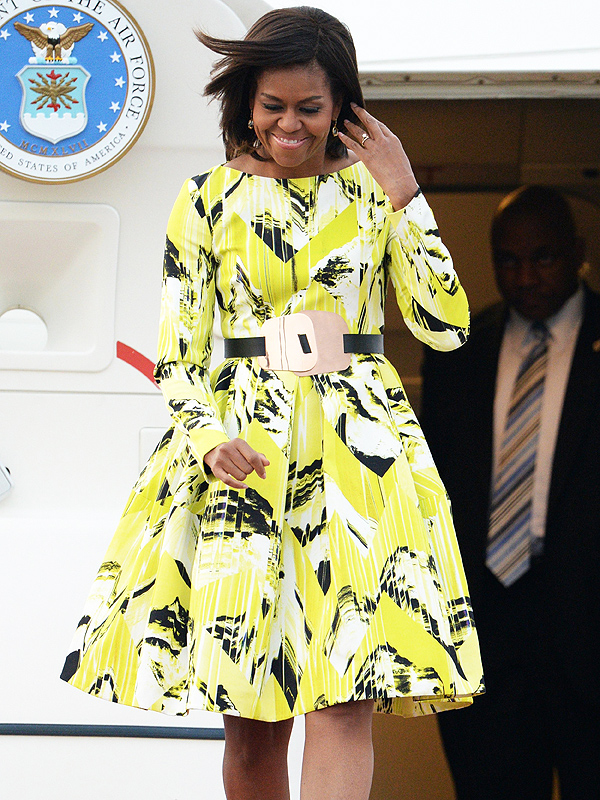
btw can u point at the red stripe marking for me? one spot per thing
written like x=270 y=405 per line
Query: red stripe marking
x=136 y=360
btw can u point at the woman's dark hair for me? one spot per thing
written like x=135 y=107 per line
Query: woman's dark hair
x=283 y=37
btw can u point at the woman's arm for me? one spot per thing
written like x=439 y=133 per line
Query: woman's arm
x=186 y=320
x=185 y=343
x=430 y=297
x=432 y=301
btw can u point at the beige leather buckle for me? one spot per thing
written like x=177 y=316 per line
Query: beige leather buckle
x=306 y=343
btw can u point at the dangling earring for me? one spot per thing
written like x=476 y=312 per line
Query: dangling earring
x=251 y=123
x=334 y=128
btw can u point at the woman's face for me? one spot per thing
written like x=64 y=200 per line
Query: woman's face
x=293 y=110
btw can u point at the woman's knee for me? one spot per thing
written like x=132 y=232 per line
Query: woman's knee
x=353 y=715
x=254 y=741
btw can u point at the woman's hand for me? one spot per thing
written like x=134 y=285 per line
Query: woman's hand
x=231 y=461
x=383 y=155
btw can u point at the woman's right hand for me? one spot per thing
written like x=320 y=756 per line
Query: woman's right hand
x=231 y=461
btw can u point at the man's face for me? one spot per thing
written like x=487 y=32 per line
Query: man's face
x=536 y=271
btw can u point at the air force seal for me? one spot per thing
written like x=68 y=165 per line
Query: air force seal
x=77 y=87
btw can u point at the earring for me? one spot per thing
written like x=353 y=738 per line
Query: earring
x=334 y=128
x=251 y=123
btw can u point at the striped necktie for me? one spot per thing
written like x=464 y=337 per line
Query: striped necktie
x=509 y=535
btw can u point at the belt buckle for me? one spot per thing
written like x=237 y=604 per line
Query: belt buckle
x=305 y=343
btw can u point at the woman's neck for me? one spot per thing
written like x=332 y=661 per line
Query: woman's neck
x=270 y=169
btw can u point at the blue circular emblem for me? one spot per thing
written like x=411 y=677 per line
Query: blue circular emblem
x=77 y=87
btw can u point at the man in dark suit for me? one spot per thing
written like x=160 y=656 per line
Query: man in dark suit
x=537 y=602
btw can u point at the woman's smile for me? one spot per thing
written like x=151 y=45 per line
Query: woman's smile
x=289 y=143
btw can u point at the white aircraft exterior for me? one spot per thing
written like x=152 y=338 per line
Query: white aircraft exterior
x=78 y=419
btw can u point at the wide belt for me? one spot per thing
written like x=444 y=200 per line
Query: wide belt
x=306 y=343
x=251 y=346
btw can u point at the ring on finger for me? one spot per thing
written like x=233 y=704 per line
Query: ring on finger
x=364 y=138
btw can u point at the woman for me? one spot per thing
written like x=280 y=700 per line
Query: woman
x=289 y=549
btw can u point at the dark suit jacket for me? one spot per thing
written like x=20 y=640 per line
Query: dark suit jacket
x=548 y=623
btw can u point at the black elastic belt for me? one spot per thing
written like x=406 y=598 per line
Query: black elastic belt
x=245 y=348
x=255 y=345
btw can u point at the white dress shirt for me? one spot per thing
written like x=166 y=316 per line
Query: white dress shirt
x=564 y=328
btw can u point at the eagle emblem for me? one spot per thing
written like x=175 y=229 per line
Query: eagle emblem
x=52 y=41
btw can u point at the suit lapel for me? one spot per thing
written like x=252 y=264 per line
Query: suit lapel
x=581 y=397
x=485 y=360
x=487 y=367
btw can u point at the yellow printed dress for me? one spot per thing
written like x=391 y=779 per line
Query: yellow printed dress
x=338 y=577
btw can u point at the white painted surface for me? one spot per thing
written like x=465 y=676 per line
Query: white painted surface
x=47 y=768
x=61 y=262
x=515 y=35
x=23 y=330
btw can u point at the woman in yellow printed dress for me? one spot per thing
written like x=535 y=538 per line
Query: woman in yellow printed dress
x=289 y=548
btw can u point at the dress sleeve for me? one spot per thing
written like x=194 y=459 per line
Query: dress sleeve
x=430 y=297
x=186 y=321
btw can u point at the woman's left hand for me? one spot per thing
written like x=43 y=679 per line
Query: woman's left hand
x=383 y=155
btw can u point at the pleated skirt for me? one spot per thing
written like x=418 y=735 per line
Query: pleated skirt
x=337 y=578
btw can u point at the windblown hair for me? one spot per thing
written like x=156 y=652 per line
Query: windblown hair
x=542 y=202
x=283 y=37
